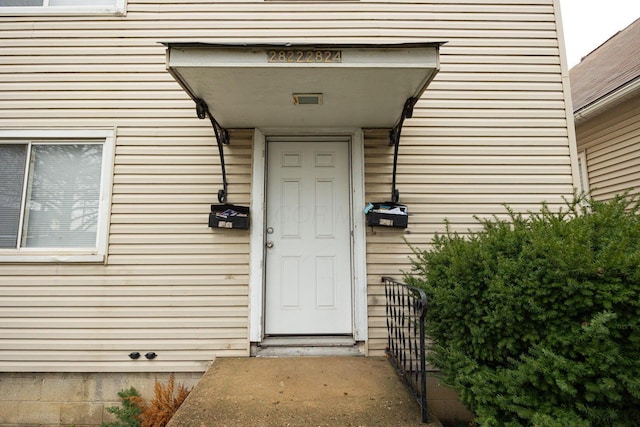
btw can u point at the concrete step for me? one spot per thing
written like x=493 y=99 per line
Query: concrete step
x=292 y=346
x=300 y=391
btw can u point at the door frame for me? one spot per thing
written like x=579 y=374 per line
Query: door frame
x=258 y=228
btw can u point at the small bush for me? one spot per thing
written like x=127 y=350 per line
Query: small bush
x=128 y=415
x=166 y=402
x=136 y=412
x=536 y=319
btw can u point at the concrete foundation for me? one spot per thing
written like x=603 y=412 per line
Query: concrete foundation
x=81 y=399
x=445 y=404
x=72 y=399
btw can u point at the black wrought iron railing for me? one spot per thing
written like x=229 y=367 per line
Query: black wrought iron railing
x=406 y=311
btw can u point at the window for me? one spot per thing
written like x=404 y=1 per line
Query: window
x=63 y=7
x=53 y=196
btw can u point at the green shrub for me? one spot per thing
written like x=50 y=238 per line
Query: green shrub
x=536 y=319
x=127 y=415
x=137 y=412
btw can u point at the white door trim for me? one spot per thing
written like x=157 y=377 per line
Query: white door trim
x=360 y=304
x=257 y=245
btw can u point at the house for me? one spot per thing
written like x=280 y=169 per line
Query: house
x=123 y=122
x=605 y=88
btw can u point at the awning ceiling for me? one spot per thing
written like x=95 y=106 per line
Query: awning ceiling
x=247 y=86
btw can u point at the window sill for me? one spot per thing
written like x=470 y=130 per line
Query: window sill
x=62 y=10
x=51 y=258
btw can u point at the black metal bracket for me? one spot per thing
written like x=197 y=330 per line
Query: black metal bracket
x=394 y=139
x=222 y=138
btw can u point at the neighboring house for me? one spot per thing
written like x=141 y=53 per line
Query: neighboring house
x=107 y=174
x=605 y=88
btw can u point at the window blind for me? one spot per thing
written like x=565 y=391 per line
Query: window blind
x=12 y=163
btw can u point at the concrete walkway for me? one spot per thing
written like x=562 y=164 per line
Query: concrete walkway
x=301 y=391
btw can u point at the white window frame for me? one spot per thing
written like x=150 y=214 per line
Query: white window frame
x=98 y=253
x=583 y=172
x=120 y=9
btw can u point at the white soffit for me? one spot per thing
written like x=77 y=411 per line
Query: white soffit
x=253 y=86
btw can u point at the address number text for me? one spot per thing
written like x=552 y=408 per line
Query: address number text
x=304 y=56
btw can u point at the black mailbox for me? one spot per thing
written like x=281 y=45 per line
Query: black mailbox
x=387 y=214
x=229 y=216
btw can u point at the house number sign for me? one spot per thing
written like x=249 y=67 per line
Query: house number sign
x=304 y=56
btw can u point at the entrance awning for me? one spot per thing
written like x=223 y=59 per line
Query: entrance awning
x=304 y=86
x=310 y=86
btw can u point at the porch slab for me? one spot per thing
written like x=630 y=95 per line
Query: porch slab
x=300 y=391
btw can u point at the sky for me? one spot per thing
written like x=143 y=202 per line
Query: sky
x=589 y=23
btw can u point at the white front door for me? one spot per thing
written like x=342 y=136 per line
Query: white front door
x=308 y=256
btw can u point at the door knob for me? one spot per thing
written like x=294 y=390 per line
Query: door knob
x=269 y=244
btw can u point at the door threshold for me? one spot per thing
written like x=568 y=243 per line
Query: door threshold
x=293 y=346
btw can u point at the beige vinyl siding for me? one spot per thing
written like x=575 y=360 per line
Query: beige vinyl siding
x=171 y=284
x=491 y=129
x=612 y=144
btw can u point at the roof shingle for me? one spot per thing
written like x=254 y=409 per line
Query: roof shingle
x=608 y=68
